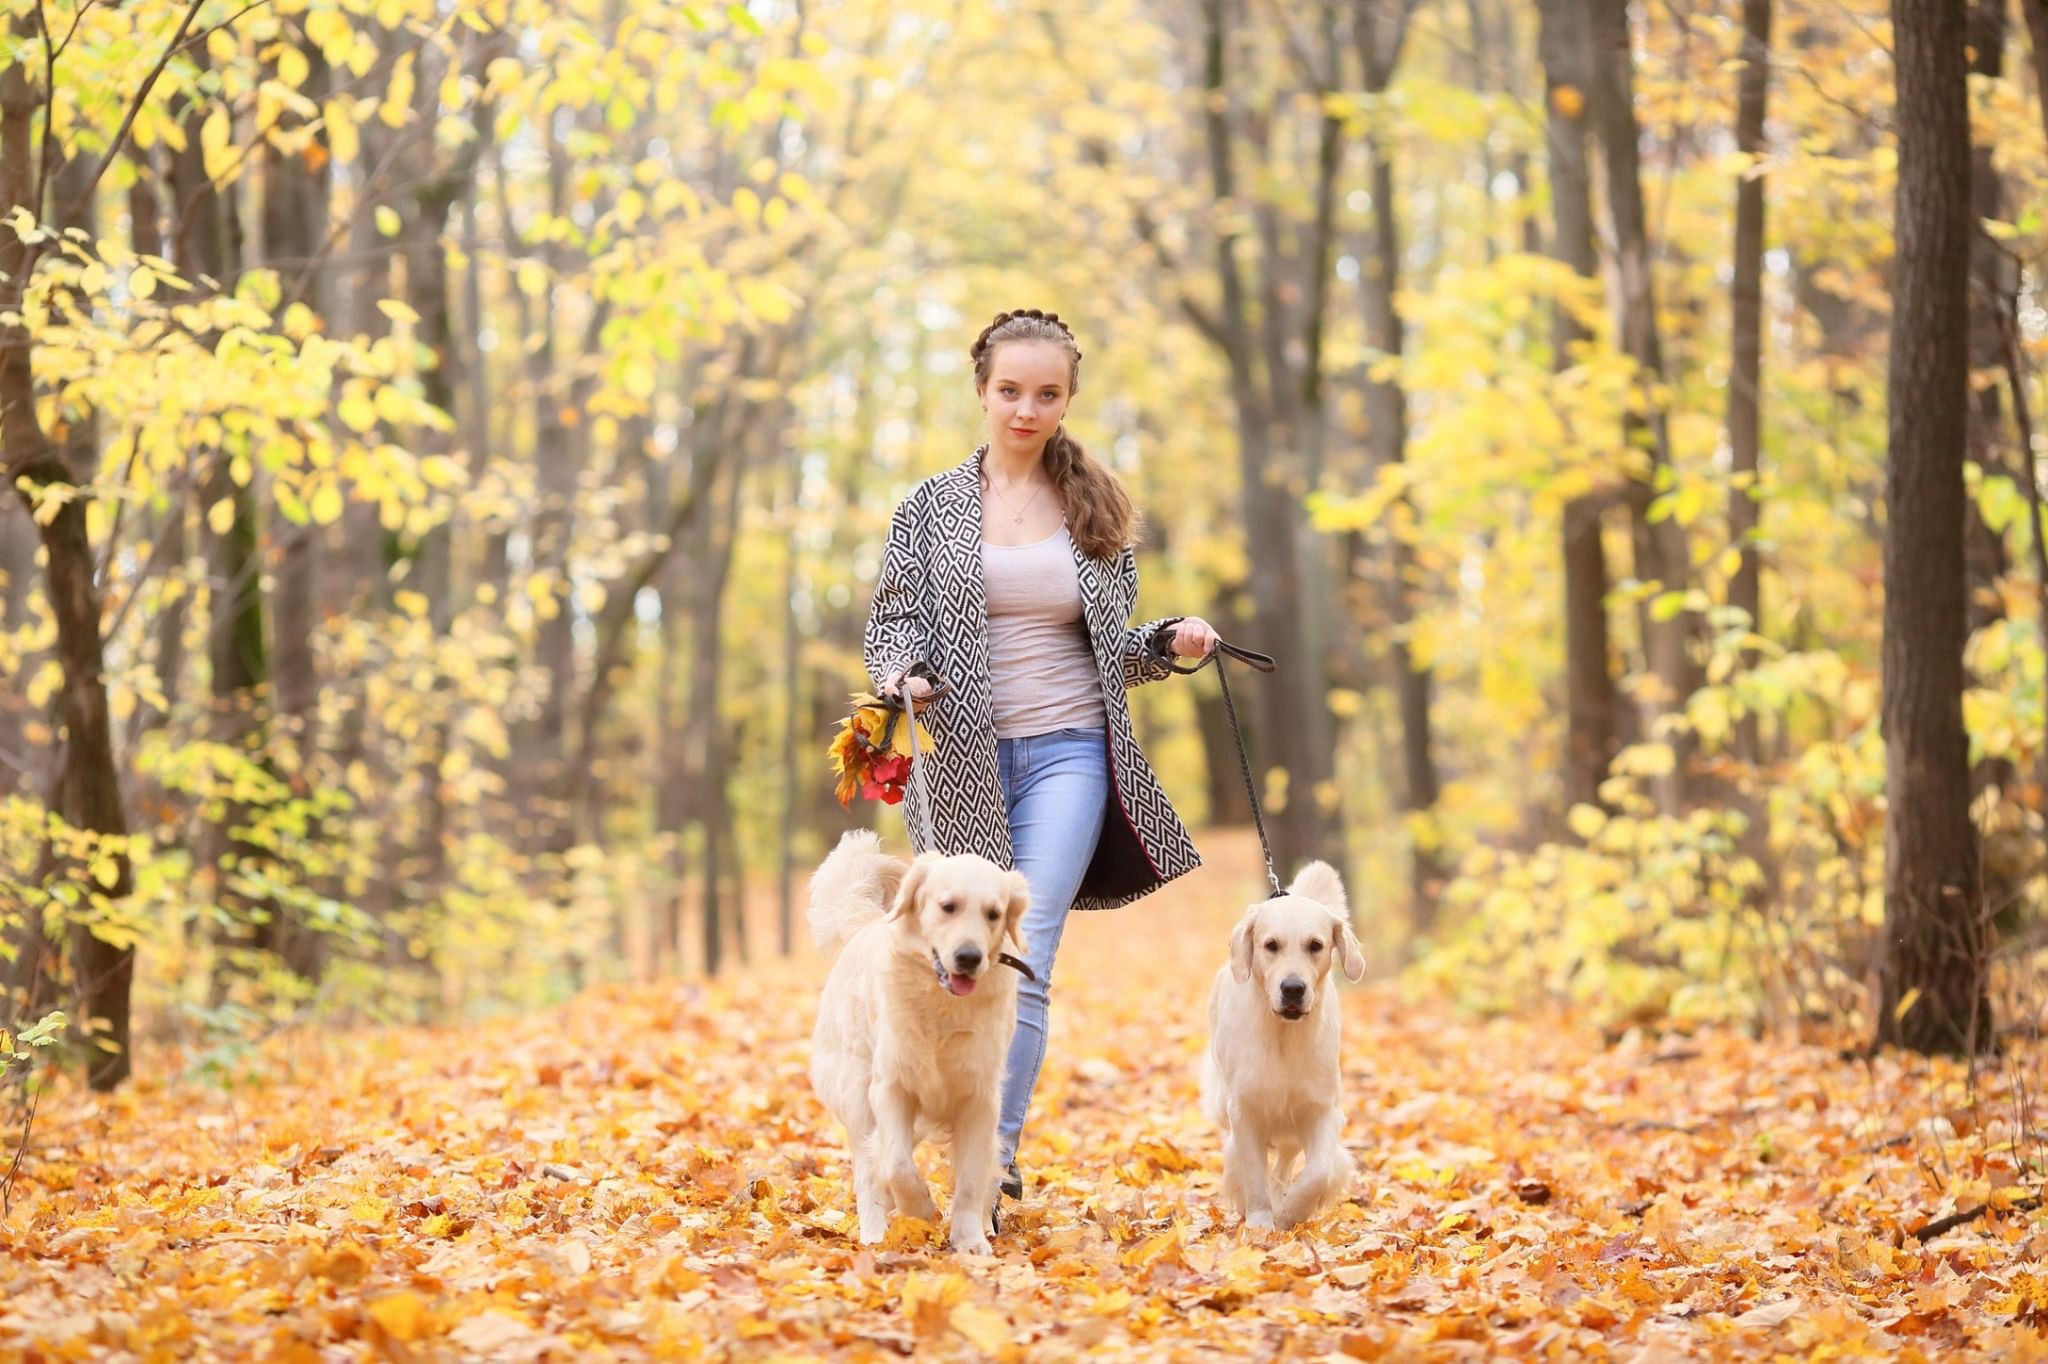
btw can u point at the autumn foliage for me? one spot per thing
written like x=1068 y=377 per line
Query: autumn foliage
x=871 y=753
x=644 y=1173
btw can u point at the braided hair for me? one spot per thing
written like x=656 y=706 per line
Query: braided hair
x=1100 y=515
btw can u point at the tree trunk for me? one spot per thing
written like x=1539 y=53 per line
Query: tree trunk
x=792 y=693
x=1294 y=710
x=1591 y=700
x=208 y=247
x=1933 y=994
x=2008 y=849
x=1745 y=375
x=1661 y=551
x=17 y=575
x=168 y=641
x=87 y=790
x=553 y=527
x=1386 y=417
x=295 y=226
x=709 y=787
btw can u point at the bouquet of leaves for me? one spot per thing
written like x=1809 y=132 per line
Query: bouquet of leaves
x=871 y=751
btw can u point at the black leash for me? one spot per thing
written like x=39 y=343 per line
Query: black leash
x=1264 y=663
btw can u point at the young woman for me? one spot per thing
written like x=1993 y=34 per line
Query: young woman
x=1009 y=580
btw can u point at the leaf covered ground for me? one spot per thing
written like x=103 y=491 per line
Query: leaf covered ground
x=643 y=1173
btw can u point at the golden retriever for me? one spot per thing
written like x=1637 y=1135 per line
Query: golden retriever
x=1270 y=1079
x=914 y=1024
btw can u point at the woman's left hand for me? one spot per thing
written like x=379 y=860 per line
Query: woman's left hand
x=1194 y=637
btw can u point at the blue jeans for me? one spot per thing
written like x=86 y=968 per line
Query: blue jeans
x=1056 y=794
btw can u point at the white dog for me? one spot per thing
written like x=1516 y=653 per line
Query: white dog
x=915 y=1022
x=1270 y=1079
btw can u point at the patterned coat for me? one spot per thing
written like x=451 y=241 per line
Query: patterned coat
x=931 y=607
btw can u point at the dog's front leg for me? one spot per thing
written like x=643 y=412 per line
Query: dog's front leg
x=974 y=1176
x=1325 y=1172
x=895 y=1152
x=1244 y=1172
x=870 y=1199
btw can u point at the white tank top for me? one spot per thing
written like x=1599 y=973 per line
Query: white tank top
x=1041 y=668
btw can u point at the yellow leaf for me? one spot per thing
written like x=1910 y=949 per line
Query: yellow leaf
x=1160 y=1246
x=987 y=1329
x=215 y=136
x=928 y=1299
x=342 y=142
x=403 y=1315
x=1114 y=1303
x=370 y=1210
x=326 y=504
x=397 y=105
x=1567 y=100
x=357 y=412
x=220 y=516
x=142 y=281
x=388 y=221
x=1905 y=1004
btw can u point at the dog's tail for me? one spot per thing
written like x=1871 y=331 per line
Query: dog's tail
x=852 y=888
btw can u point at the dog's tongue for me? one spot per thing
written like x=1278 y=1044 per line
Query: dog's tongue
x=960 y=985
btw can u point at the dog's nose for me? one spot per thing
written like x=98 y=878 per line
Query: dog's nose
x=967 y=960
x=1293 y=991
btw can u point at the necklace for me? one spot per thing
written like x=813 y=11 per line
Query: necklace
x=1016 y=515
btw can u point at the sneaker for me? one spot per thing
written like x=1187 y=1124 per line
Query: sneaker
x=1012 y=1185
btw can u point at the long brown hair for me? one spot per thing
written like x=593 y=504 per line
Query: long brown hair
x=1100 y=515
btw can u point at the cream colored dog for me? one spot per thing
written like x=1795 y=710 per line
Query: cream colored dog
x=915 y=1022
x=1270 y=1079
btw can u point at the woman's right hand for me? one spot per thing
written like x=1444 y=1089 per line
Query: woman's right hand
x=919 y=687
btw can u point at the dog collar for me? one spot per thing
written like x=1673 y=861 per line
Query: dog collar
x=1005 y=958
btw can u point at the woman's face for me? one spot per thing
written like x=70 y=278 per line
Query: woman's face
x=1026 y=394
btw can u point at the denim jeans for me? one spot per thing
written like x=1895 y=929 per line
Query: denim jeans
x=1056 y=794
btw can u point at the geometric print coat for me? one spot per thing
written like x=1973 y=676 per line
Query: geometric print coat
x=931 y=607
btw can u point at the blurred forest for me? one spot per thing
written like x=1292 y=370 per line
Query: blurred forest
x=450 y=445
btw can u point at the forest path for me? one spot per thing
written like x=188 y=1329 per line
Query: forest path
x=643 y=1172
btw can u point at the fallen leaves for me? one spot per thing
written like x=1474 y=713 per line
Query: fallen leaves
x=644 y=1174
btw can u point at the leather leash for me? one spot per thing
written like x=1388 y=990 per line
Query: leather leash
x=1265 y=664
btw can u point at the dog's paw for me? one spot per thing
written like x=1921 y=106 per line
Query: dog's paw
x=1259 y=1221
x=971 y=1241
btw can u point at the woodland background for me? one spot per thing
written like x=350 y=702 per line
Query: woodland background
x=450 y=445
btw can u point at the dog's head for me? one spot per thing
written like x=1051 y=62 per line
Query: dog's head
x=960 y=909
x=1287 y=943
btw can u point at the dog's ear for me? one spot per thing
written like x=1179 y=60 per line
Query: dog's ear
x=913 y=886
x=1319 y=881
x=1353 y=956
x=1020 y=900
x=1241 y=945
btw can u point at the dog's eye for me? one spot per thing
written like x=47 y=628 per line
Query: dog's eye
x=1272 y=944
x=947 y=906
x=1315 y=945
x=994 y=914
